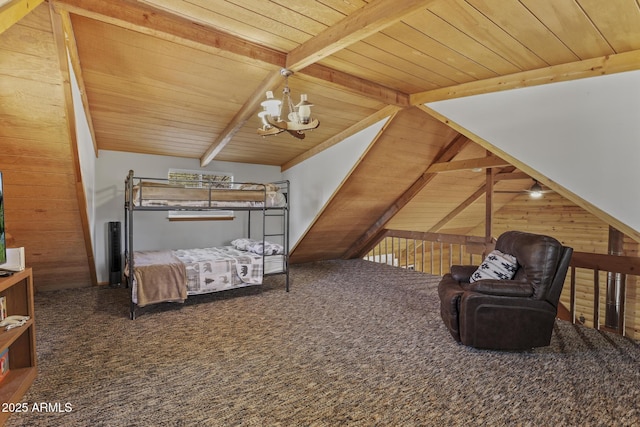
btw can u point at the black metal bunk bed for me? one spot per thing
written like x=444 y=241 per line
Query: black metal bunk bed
x=159 y=194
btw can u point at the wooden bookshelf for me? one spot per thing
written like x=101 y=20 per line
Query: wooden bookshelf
x=21 y=341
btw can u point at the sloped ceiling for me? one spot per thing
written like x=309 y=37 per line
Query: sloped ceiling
x=185 y=78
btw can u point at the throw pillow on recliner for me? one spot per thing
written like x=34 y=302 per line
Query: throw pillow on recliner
x=496 y=265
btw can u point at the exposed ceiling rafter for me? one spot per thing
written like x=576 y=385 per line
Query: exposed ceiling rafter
x=74 y=59
x=157 y=23
x=241 y=117
x=609 y=64
x=370 y=19
x=14 y=10
x=468 y=164
x=170 y=27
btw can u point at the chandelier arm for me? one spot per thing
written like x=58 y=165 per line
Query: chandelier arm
x=300 y=127
x=281 y=124
x=299 y=135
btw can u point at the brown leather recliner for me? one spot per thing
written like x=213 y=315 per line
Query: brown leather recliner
x=514 y=314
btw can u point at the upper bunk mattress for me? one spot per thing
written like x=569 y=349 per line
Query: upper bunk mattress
x=248 y=195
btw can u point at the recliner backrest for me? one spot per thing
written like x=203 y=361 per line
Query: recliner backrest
x=553 y=295
x=538 y=259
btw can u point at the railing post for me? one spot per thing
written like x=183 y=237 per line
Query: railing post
x=431 y=257
x=596 y=299
x=572 y=296
x=623 y=289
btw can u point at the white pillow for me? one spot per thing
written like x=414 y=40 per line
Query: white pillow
x=256 y=246
x=496 y=265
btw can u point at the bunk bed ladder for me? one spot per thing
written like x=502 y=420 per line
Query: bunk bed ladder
x=285 y=242
x=283 y=213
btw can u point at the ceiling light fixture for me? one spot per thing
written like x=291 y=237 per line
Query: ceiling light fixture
x=298 y=117
x=536 y=190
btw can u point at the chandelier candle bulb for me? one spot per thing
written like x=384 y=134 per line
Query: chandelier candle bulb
x=304 y=109
x=271 y=105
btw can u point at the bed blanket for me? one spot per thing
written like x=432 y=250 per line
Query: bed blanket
x=159 y=277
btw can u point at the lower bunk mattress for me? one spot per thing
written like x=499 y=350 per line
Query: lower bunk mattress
x=172 y=275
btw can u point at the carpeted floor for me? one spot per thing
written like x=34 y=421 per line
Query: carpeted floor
x=354 y=343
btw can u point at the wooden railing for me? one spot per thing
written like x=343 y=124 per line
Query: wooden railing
x=431 y=253
x=584 y=292
x=624 y=270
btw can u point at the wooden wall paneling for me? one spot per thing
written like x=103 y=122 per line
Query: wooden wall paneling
x=389 y=167
x=40 y=187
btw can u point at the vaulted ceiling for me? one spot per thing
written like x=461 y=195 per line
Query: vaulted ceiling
x=186 y=77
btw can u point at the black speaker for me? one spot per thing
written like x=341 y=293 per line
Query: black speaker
x=115 y=254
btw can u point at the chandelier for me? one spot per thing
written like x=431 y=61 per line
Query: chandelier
x=297 y=119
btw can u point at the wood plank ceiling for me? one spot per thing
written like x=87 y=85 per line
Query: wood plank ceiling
x=185 y=78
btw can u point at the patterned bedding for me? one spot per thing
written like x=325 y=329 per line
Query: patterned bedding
x=171 y=275
x=218 y=269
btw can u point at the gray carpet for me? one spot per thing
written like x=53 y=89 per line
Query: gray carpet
x=353 y=343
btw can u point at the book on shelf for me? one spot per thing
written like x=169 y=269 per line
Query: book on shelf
x=15 y=260
x=3 y=307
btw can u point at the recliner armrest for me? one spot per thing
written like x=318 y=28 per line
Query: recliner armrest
x=462 y=273
x=507 y=288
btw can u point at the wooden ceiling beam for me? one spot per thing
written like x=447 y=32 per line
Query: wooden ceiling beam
x=370 y=19
x=60 y=36
x=482 y=162
x=246 y=111
x=357 y=85
x=13 y=11
x=74 y=59
x=502 y=176
x=157 y=23
x=603 y=65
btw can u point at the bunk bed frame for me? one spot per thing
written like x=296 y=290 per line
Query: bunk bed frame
x=161 y=194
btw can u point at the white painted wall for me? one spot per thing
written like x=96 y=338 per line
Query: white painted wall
x=317 y=178
x=583 y=134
